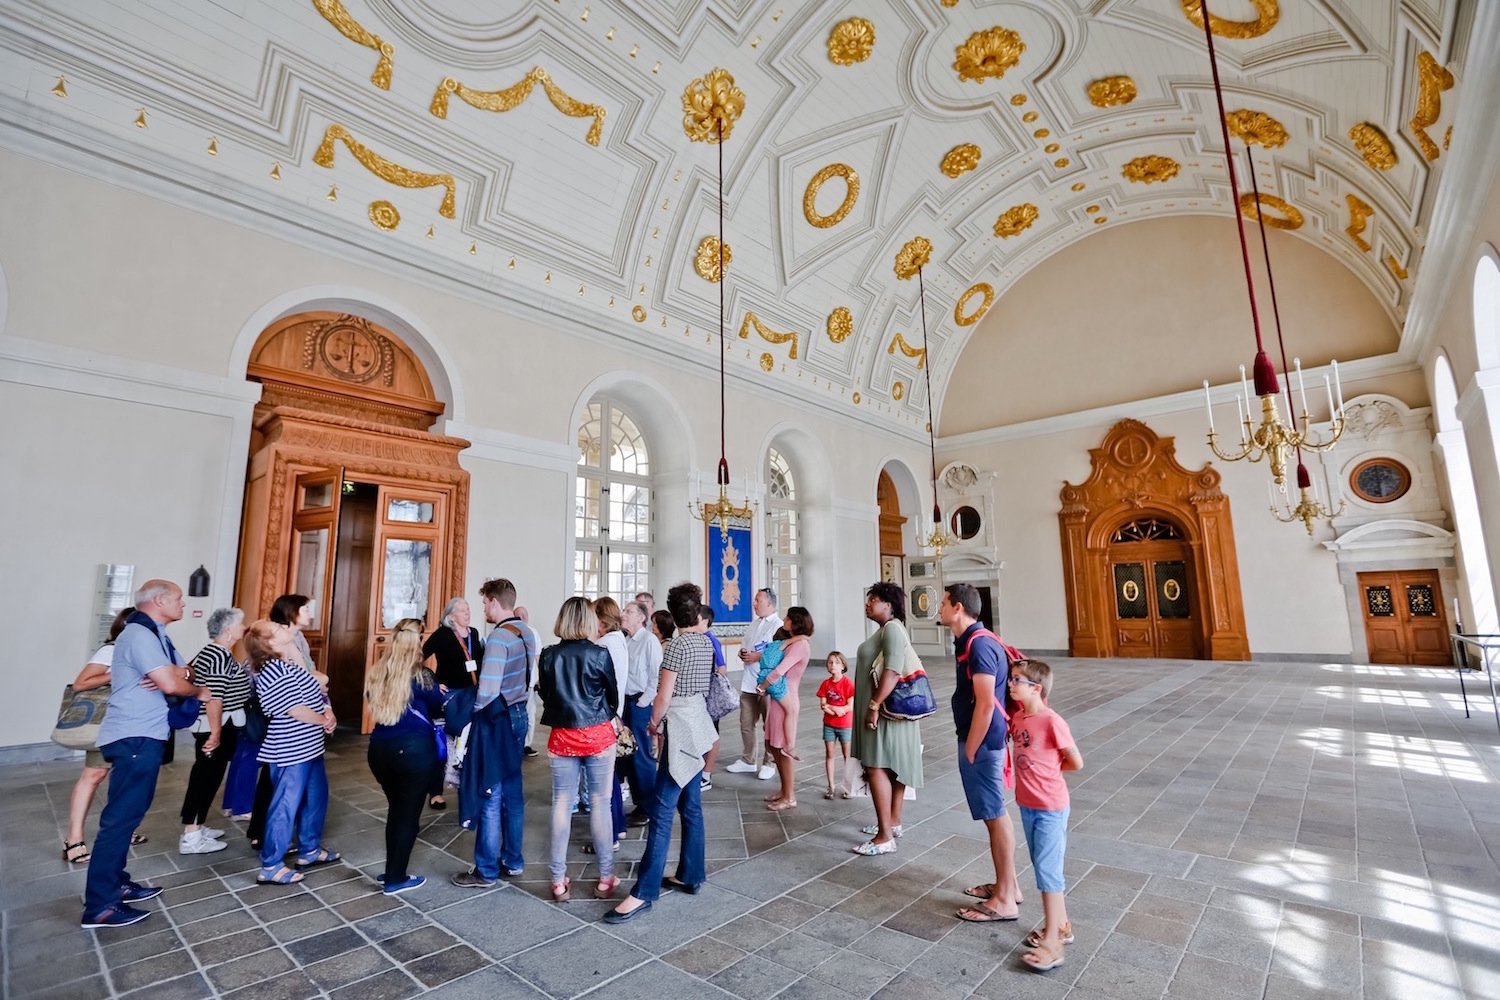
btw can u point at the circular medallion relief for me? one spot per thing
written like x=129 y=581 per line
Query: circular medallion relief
x=350 y=351
x=1380 y=480
x=1132 y=450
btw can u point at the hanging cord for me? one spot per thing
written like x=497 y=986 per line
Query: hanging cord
x=723 y=277
x=937 y=514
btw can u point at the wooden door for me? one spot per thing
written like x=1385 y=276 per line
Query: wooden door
x=349 y=610
x=316 y=498
x=1153 y=603
x=1404 y=620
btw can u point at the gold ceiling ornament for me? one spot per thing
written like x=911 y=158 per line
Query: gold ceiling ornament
x=1374 y=145
x=384 y=215
x=276 y=171
x=1092 y=209
x=512 y=97
x=1078 y=186
x=334 y=13
x=912 y=257
x=840 y=324
x=981 y=288
x=1447 y=136
x=1015 y=220
x=1267 y=12
x=1051 y=148
x=386 y=170
x=1256 y=127
x=1060 y=164
x=1359 y=217
x=988 y=54
x=1016 y=100
x=1150 y=169
x=709 y=262
x=60 y=88
x=950 y=3
x=1041 y=133
x=1290 y=217
x=474 y=252
x=1111 y=91
x=898 y=390
x=431 y=231
x=898 y=342
x=711 y=105
x=638 y=313
x=1100 y=220
x=855 y=398
x=1395 y=267
x=767 y=334
x=213 y=145
x=333 y=192
x=1433 y=78
x=140 y=118
x=767 y=362
x=851 y=41
x=961 y=159
x=810 y=196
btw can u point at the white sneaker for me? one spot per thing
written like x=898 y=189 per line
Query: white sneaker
x=211 y=832
x=197 y=843
x=767 y=772
x=741 y=767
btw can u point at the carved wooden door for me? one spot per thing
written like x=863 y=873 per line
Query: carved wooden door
x=1149 y=566
x=1404 y=620
x=316 y=498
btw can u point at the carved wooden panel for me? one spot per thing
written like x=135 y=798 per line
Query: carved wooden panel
x=891 y=519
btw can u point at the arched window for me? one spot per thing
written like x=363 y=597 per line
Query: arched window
x=1487 y=311
x=783 y=530
x=612 y=512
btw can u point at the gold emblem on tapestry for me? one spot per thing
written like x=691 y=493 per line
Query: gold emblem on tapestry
x=988 y=54
x=898 y=342
x=729 y=573
x=387 y=170
x=1267 y=14
x=1433 y=79
x=334 y=13
x=1359 y=217
x=767 y=334
x=512 y=97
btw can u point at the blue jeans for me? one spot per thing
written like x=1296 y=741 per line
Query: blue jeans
x=565 y=772
x=134 y=764
x=296 y=787
x=641 y=772
x=497 y=835
x=671 y=798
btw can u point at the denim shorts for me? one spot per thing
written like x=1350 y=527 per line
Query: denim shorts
x=1047 y=840
x=984 y=782
x=836 y=734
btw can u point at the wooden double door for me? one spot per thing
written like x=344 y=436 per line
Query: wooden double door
x=1153 y=599
x=1404 y=619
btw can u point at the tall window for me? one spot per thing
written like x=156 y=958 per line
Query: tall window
x=612 y=506
x=783 y=530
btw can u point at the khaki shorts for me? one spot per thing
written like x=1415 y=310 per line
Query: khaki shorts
x=94 y=758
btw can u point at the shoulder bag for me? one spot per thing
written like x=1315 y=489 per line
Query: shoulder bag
x=912 y=697
x=722 y=698
x=79 y=716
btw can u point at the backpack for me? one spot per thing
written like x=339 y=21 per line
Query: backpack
x=1002 y=699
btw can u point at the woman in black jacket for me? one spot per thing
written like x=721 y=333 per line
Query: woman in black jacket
x=452 y=653
x=580 y=701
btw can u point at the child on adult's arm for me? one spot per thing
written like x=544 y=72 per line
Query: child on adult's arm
x=1043 y=748
x=834 y=698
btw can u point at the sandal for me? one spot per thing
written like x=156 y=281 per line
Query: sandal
x=828 y=794
x=1034 y=938
x=872 y=830
x=606 y=887
x=981 y=914
x=1042 y=960
x=869 y=848
x=561 y=891
x=781 y=805
x=322 y=857
x=278 y=876
x=76 y=853
x=437 y=802
x=985 y=891
x=137 y=839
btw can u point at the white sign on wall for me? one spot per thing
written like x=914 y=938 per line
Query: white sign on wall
x=112 y=593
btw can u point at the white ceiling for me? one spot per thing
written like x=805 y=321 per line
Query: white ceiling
x=595 y=231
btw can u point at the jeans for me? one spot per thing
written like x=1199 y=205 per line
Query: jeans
x=207 y=774
x=641 y=771
x=497 y=837
x=565 y=772
x=669 y=799
x=134 y=764
x=403 y=766
x=295 y=786
x=244 y=769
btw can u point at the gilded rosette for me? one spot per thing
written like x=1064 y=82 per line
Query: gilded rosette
x=708 y=260
x=711 y=105
x=851 y=41
x=1267 y=12
x=1256 y=127
x=1289 y=218
x=1015 y=220
x=840 y=324
x=767 y=361
x=384 y=215
x=1150 y=169
x=1374 y=145
x=913 y=257
x=960 y=160
x=988 y=54
x=1111 y=91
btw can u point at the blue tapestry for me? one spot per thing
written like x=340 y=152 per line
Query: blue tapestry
x=727 y=584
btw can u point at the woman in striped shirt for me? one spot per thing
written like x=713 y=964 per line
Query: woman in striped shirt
x=216 y=733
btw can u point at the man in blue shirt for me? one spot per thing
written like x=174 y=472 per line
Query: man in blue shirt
x=132 y=737
x=979 y=718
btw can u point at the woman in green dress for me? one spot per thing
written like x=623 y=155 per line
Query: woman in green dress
x=890 y=750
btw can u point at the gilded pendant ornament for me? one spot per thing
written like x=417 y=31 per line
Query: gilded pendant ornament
x=767 y=361
x=1290 y=216
x=960 y=160
x=912 y=257
x=840 y=324
x=767 y=334
x=384 y=215
x=810 y=196
x=898 y=390
x=851 y=42
x=898 y=342
x=1374 y=145
x=709 y=262
x=988 y=54
x=1359 y=217
x=386 y=170
x=1433 y=78
x=1111 y=91
x=710 y=103
x=1267 y=12
x=1150 y=169
x=334 y=13
x=1015 y=220
x=969 y=319
x=512 y=97
x=1256 y=127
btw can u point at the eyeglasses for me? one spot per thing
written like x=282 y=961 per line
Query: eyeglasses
x=1017 y=679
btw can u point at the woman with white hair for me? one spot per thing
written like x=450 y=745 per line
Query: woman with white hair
x=216 y=733
x=453 y=653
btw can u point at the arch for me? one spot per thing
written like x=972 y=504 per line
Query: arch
x=1444 y=394
x=908 y=491
x=813 y=468
x=1455 y=478
x=1487 y=307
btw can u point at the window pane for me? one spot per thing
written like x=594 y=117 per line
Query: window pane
x=317 y=495
x=403 y=590
x=588 y=436
x=586 y=572
x=784 y=581
x=586 y=509
x=784 y=537
x=629 y=513
x=416 y=511
x=627 y=452
x=312 y=569
x=628 y=574
x=780 y=484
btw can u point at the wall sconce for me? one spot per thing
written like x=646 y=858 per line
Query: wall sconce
x=198 y=583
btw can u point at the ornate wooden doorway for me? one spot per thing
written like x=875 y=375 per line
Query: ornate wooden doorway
x=1148 y=565
x=1404 y=618
x=349 y=500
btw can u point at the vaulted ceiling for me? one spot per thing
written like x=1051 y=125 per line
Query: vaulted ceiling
x=535 y=151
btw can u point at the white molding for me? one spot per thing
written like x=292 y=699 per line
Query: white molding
x=1393 y=538
x=855 y=511
x=513 y=449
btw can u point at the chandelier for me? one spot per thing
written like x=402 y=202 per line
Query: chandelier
x=910 y=261
x=711 y=105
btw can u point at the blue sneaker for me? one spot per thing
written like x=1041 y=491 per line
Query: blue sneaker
x=134 y=892
x=415 y=882
x=119 y=915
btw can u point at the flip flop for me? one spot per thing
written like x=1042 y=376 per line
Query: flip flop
x=1042 y=960
x=780 y=805
x=282 y=876
x=323 y=857
x=981 y=914
x=985 y=891
x=1034 y=938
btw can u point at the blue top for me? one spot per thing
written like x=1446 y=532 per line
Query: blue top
x=133 y=710
x=718 y=649
x=979 y=654
x=427 y=700
x=282 y=686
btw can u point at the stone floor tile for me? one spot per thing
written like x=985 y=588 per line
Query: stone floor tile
x=890 y=947
x=704 y=956
x=1144 y=927
x=415 y=944
x=251 y=969
x=1283 y=988
x=291 y=986
x=658 y=981
x=855 y=973
x=754 y=978
x=225 y=949
x=908 y=986
x=304 y=925
x=348 y=967
x=577 y=962
x=808 y=988
x=434 y=970
x=189 y=987
x=149 y=971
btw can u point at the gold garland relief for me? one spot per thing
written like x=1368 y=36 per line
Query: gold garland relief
x=1359 y=217
x=334 y=13
x=709 y=262
x=512 y=97
x=1267 y=12
x=1374 y=145
x=912 y=257
x=810 y=196
x=1290 y=216
x=851 y=41
x=988 y=54
x=709 y=102
x=767 y=334
x=898 y=342
x=960 y=160
x=1433 y=78
x=1256 y=127
x=1150 y=169
x=969 y=319
x=386 y=170
x=1015 y=220
x=1111 y=91
x=384 y=215
x=840 y=324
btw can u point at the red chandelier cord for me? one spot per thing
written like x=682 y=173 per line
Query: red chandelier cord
x=937 y=514
x=723 y=275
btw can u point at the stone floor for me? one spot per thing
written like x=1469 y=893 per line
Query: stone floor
x=1262 y=830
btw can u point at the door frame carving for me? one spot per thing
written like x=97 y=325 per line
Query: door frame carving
x=1135 y=474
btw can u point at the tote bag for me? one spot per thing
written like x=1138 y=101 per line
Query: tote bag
x=912 y=698
x=79 y=716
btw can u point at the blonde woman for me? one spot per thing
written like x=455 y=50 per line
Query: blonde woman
x=404 y=699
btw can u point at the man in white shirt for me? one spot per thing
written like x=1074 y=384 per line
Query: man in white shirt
x=752 y=702
x=640 y=691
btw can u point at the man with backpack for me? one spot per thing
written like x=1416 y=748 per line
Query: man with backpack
x=980 y=717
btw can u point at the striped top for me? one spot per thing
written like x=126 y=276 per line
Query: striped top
x=282 y=686
x=216 y=668
x=690 y=655
x=506 y=669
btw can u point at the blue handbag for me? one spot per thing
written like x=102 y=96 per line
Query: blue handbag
x=182 y=712
x=770 y=659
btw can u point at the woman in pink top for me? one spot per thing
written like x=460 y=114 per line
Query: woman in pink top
x=781 y=715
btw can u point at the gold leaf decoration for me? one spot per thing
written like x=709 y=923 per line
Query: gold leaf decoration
x=840 y=324
x=638 y=313
x=767 y=362
x=1374 y=145
x=386 y=170
x=334 y=13
x=1051 y=148
x=969 y=319
x=1433 y=79
x=1395 y=267
x=898 y=390
x=1111 y=91
x=854 y=399
x=1150 y=169
x=1256 y=127
x=810 y=196
x=960 y=160
x=1017 y=100
x=1060 y=164
x=60 y=88
x=711 y=105
x=851 y=41
x=384 y=215
x=512 y=97
x=1290 y=216
x=1030 y=117
x=898 y=342
x=707 y=262
x=1359 y=217
x=988 y=54
x=1267 y=12
x=1015 y=220
x=767 y=334
x=912 y=257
